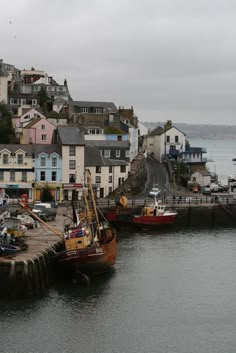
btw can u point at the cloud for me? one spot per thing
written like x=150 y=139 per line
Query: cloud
x=169 y=59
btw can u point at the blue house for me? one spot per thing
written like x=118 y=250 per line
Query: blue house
x=48 y=171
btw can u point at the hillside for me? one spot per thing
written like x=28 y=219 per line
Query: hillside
x=206 y=131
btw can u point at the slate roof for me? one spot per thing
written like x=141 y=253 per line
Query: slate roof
x=157 y=131
x=108 y=144
x=32 y=149
x=109 y=107
x=94 y=158
x=71 y=135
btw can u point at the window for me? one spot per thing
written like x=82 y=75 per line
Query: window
x=5 y=159
x=98 y=169
x=176 y=139
x=12 y=175
x=71 y=150
x=84 y=110
x=1 y=175
x=98 y=179
x=117 y=153
x=50 y=89
x=98 y=110
x=43 y=162
x=42 y=176
x=119 y=138
x=44 y=137
x=107 y=153
x=34 y=101
x=20 y=159
x=123 y=168
x=37 y=88
x=42 y=127
x=71 y=164
x=168 y=139
x=110 y=179
x=194 y=155
x=110 y=169
x=127 y=153
x=54 y=176
x=72 y=178
x=54 y=162
x=24 y=176
x=110 y=189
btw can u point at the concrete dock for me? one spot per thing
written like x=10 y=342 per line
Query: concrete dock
x=29 y=272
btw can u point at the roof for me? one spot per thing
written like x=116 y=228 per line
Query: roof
x=32 y=123
x=157 y=131
x=31 y=149
x=108 y=144
x=109 y=107
x=203 y=172
x=94 y=158
x=71 y=135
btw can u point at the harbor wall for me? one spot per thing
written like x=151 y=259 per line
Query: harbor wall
x=28 y=278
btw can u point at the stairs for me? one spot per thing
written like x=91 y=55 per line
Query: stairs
x=135 y=164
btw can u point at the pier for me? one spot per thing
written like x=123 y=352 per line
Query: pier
x=29 y=272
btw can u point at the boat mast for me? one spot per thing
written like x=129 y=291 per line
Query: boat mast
x=93 y=202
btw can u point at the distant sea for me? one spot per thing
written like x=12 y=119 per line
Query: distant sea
x=221 y=152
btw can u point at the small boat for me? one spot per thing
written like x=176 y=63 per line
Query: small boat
x=155 y=215
x=89 y=243
x=8 y=250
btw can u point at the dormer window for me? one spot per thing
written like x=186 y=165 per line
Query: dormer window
x=20 y=159
x=5 y=158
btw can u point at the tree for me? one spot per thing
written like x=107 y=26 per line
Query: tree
x=44 y=100
x=46 y=194
x=7 y=134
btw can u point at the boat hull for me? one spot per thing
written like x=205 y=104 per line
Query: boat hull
x=93 y=260
x=150 y=220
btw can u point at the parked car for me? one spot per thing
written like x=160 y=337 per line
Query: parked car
x=45 y=211
x=155 y=192
x=206 y=190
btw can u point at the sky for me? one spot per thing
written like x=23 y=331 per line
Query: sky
x=169 y=59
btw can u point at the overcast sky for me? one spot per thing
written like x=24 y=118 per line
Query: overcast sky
x=169 y=59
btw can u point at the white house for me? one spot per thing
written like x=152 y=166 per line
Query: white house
x=202 y=178
x=162 y=143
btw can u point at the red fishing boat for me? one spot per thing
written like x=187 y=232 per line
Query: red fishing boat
x=154 y=215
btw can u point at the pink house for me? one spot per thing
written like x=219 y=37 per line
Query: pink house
x=37 y=131
x=23 y=119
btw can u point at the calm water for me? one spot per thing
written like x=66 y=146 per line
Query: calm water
x=171 y=292
x=222 y=152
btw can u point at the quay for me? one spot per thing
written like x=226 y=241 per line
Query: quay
x=29 y=273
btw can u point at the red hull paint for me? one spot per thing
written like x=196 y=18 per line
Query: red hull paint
x=126 y=218
x=92 y=260
x=154 y=220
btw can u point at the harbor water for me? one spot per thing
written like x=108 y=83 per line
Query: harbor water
x=220 y=153
x=170 y=292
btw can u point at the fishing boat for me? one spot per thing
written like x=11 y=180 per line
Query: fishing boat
x=154 y=215
x=89 y=241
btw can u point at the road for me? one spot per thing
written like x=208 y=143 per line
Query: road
x=156 y=175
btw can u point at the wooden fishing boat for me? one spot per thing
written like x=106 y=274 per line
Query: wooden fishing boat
x=89 y=243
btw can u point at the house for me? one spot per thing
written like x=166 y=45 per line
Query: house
x=25 y=116
x=106 y=174
x=71 y=140
x=7 y=75
x=116 y=150
x=27 y=85
x=202 y=178
x=161 y=143
x=37 y=131
x=193 y=156
x=17 y=170
x=48 y=171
